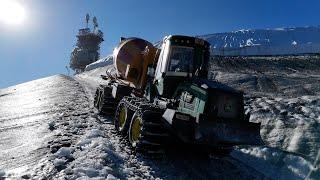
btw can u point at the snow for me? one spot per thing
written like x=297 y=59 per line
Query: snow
x=25 y=111
x=100 y=63
x=277 y=41
x=64 y=152
x=94 y=133
x=274 y=163
x=296 y=138
x=59 y=162
x=277 y=161
x=286 y=102
x=294 y=43
x=2 y=173
x=250 y=42
x=111 y=177
x=91 y=158
x=280 y=93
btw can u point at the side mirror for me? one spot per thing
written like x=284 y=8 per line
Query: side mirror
x=122 y=39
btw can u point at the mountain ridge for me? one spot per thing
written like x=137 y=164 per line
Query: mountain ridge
x=278 y=41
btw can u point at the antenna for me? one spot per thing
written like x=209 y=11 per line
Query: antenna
x=95 y=23
x=87 y=20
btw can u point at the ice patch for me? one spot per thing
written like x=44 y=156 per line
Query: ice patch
x=111 y=177
x=59 y=162
x=94 y=133
x=90 y=172
x=64 y=152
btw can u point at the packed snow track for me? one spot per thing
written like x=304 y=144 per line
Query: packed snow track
x=25 y=112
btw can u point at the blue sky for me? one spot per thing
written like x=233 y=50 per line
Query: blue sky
x=41 y=45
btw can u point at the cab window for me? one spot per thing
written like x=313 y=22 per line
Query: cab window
x=181 y=59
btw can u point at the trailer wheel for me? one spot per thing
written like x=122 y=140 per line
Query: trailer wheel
x=146 y=133
x=122 y=118
x=96 y=98
x=106 y=104
x=135 y=130
x=101 y=102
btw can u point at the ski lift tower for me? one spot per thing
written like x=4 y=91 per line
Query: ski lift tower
x=87 y=48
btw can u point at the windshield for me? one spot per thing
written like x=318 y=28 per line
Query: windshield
x=181 y=59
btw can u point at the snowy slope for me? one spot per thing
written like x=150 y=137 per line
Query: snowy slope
x=266 y=41
x=100 y=63
x=75 y=142
x=50 y=130
x=291 y=154
x=25 y=112
x=283 y=94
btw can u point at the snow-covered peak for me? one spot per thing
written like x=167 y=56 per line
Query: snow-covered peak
x=277 y=41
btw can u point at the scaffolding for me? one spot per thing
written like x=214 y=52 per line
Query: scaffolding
x=87 y=48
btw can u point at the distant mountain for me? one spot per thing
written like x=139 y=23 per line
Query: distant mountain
x=280 y=41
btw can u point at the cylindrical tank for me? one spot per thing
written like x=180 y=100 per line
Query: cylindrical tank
x=129 y=59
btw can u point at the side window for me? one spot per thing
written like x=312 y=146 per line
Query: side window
x=161 y=66
x=165 y=57
x=159 y=62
